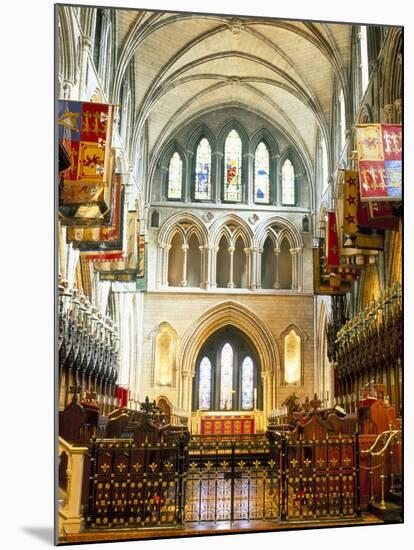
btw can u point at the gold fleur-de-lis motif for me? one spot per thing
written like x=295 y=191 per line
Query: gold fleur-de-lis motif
x=121 y=467
x=193 y=465
x=224 y=464
x=241 y=464
x=307 y=462
x=320 y=462
x=153 y=466
x=272 y=463
x=137 y=466
x=256 y=464
x=209 y=465
x=346 y=461
x=169 y=466
x=105 y=467
x=333 y=461
x=293 y=462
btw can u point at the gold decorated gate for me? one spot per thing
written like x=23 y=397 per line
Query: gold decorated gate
x=232 y=479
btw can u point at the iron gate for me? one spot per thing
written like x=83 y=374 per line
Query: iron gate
x=211 y=479
x=135 y=485
x=232 y=479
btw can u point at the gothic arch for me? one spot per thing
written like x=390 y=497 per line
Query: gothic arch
x=196 y=226
x=222 y=224
x=195 y=137
x=294 y=235
x=244 y=319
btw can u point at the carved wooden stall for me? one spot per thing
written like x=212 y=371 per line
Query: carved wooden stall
x=368 y=350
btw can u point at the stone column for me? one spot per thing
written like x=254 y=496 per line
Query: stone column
x=299 y=268
x=86 y=42
x=294 y=263
x=165 y=248
x=231 y=250
x=276 y=283
x=216 y=181
x=212 y=253
x=248 y=252
x=203 y=269
x=250 y=172
x=184 y=281
x=259 y=268
x=277 y=199
x=254 y=267
x=185 y=393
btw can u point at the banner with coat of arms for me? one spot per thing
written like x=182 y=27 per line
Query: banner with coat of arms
x=379 y=149
x=85 y=130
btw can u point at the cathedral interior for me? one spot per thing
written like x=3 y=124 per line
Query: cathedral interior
x=229 y=324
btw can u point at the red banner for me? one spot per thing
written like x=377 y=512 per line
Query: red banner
x=332 y=243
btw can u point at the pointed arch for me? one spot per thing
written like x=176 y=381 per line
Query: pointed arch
x=229 y=313
x=278 y=222
x=227 y=221
x=195 y=224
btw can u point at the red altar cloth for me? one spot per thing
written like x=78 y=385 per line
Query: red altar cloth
x=227 y=425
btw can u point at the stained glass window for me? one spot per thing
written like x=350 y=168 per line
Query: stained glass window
x=261 y=174
x=288 y=183
x=233 y=167
x=203 y=171
x=247 y=385
x=175 y=177
x=204 y=390
x=226 y=379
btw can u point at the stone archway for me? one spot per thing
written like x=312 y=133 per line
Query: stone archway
x=225 y=314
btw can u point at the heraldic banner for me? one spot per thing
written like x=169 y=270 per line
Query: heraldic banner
x=85 y=130
x=379 y=149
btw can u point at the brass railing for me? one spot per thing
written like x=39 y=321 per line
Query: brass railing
x=384 y=466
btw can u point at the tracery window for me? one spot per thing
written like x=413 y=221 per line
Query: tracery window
x=202 y=185
x=226 y=379
x=233 y=167
x=261 y=174
x=247 y=384
x=288 y=183
x=204 y=389
x=175 y=177
x=227 y=373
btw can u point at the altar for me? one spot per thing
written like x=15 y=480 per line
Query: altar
x=227 y=422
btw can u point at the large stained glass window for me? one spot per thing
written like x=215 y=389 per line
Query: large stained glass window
x=288 y=183
x=204 y=391
x=226 y=378
x=175 y=177
x=261 y=174
x=247 y=385
x=233 y=167
x=203 y=171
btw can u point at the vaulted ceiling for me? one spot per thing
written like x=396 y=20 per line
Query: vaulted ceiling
x=187 y=64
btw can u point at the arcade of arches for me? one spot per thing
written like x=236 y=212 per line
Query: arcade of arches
x=229 y=143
